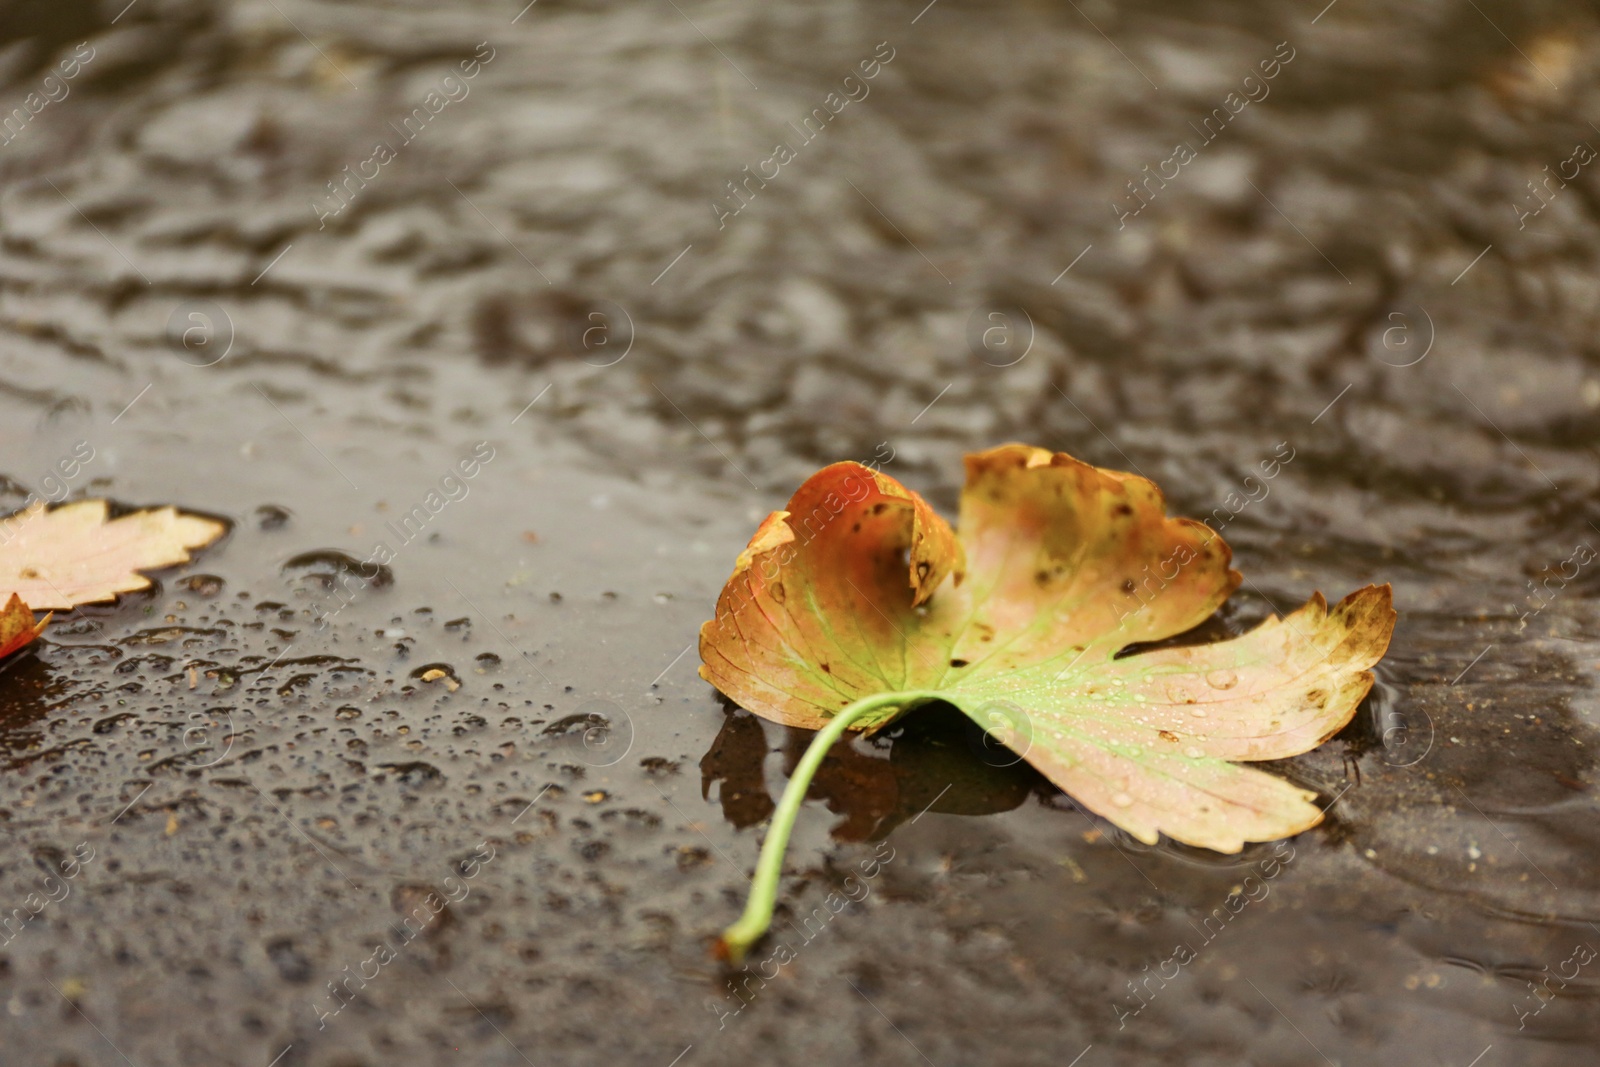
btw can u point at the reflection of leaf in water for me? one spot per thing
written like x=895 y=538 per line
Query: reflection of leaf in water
x=861 y=787
x=736 y=760
x=941 y=760
x=31 y=688
x=934 y=763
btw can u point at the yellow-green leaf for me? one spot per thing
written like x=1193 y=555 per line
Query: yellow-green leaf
x=859 y=588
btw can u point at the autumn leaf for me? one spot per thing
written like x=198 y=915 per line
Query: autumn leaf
x=858 y=602
x=58 y=558
x=17 y=628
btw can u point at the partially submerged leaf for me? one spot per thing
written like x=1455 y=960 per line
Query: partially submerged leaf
x=859 y=588
x=17 y=628
x=62 y=557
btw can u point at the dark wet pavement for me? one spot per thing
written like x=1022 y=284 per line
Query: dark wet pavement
x=1347 y=266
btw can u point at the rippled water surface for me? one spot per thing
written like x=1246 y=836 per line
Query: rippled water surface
x=559 y=256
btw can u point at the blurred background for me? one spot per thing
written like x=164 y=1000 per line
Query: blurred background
x=290 y=262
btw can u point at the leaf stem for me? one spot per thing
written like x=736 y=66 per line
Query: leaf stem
x=752 y=925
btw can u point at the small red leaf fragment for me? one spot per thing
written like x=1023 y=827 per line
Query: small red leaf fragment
x=17 y=628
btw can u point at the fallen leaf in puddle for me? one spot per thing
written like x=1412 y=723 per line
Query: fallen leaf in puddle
x=17 y=628
x=61 y=557
x=859 y=602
